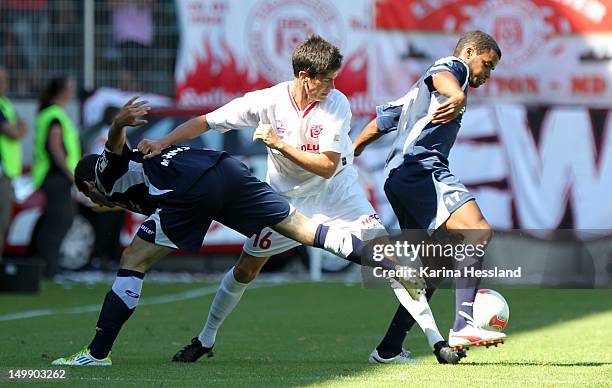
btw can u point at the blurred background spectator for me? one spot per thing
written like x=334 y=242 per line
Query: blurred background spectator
x=12 y=129
x=57 y=150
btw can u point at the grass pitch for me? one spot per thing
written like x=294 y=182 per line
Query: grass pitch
x=304 y=334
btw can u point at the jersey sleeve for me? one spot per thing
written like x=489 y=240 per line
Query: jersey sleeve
x=241 y=113
x=110 y=167
x=454 y=66
x=388 y=115
x=337 y=127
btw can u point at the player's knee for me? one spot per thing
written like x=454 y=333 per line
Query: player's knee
x=244 y=275
x=246 y=270
x=484 y=232
x=479 y=232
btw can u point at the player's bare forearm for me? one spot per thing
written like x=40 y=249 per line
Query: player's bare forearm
x=447 y=85
x=370 y=134
x=186 y=131
x=323 y=164
x=116 y=138
x=129 y=116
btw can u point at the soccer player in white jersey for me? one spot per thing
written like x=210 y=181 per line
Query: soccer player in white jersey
x=305 y=124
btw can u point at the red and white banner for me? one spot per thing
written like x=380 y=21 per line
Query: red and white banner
x=229 y=47
x=553 y=51
x=528 y=169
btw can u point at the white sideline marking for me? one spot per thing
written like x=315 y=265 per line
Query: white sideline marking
x=190 y=294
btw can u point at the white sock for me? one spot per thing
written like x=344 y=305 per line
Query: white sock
x=421 y=312
x=128 y=288
x=227 y=297
x=339 y=242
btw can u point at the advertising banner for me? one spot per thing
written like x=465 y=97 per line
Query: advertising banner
x=229 y=47
x=553 y=51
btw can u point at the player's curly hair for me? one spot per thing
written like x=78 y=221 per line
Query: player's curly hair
x=481 y=41
x=316 y=56
x=85 y=171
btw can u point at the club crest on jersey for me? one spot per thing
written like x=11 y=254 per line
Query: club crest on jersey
x=280 y=126
x=315 y=130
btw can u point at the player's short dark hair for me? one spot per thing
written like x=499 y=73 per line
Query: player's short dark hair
x=85 y=171
x=316 y=56
x=481 y=41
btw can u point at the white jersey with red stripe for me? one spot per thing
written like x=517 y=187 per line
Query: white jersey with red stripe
x=322 y=126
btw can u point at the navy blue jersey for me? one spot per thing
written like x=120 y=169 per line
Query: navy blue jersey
x=418 y=140
x=139 y=185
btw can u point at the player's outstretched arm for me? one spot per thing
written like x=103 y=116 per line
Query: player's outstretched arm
x=129 y=116
x=446 y=84
x=370 y=134
x=186 y=131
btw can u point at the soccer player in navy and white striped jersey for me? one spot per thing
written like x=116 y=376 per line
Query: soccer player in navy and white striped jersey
x=423 y=192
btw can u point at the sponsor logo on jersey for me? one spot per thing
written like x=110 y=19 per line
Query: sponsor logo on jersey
x=315 y=130
x=310 y=147
x=280 y=126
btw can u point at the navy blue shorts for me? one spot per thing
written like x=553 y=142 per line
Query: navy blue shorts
x=424 y=199
x=227 y=193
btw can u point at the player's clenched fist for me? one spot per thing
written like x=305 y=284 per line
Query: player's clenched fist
x=266 y=133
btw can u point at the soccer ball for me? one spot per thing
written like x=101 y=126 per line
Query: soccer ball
x=491 y=310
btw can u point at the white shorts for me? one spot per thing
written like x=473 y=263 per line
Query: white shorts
x=343 y=203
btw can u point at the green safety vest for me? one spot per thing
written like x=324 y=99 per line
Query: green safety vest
x=10 y=149
x=70 y=138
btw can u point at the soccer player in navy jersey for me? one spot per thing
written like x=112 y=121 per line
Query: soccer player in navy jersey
x=182 y=190
x=423 y=192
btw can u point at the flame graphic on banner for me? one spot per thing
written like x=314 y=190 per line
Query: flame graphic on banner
x=215 y=81
x=353 y=81
x=353 y=77
x=223 y=77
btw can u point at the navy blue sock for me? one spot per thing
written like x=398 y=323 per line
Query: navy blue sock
x=115 y=312
x=391 y=344
x=320 y=236
x=465 y=292
x=464 y=298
